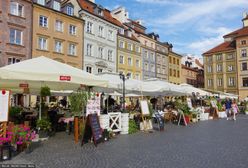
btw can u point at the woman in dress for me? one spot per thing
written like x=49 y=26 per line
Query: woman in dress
x=234 y=109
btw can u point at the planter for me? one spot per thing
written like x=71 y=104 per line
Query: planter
x=187 y=119
x=43 y=134
x=194 y=120
x=124 y=123
x=246 y=112
x=104 y=121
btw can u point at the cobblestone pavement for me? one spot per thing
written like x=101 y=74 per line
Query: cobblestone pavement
x=207 y=144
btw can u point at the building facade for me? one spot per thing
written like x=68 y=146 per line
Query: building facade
x=189 y=75
x=162 y=54
x=16 y=31
x=129 y=55
x=100 y=38
x=174 y=67
x=57 y=33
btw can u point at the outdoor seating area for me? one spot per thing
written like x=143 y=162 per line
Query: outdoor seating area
x=94 y=108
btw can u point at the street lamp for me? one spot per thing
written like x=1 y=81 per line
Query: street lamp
x=124 y=77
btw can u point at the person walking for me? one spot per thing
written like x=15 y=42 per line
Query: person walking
x=234 y=109
x=228 y=105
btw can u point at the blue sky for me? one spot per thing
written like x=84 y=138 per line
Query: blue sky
x=192 y=26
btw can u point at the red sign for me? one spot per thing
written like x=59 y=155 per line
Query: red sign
x=65 y=78
x=23 y=85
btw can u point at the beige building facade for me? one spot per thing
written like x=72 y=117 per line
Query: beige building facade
x=174 y=67
x=58 y=35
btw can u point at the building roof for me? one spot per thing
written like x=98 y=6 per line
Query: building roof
x=237 y=33
x=197 y=62
x=189 y=68
x=226 y=46
x=172 y=52
x=89 y=7
x=131 y=38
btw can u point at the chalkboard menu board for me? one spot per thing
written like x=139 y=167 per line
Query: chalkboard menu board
x=92 y=129
x=160 y=121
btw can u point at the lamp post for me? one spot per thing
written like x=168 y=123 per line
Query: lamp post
x=124 y=77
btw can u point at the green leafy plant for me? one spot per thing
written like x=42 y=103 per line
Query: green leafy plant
x=43 y=124
x=184 y=107
x=78 y=101
x=14 y=111
x=45 y=91
x=132 y=127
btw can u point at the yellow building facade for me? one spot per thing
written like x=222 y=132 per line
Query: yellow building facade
x=129 y=56
x=174 y=68
x=57 y=35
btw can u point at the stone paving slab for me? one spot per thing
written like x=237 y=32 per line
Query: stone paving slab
x=207 y=144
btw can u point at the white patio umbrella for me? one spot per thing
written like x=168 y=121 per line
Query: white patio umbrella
x=189 y=89
x=43 y=71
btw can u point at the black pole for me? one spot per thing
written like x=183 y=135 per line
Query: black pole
x=123 y=101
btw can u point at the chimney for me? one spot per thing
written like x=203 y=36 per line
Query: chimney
x=245 y=19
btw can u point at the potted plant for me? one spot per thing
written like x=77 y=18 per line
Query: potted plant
x=133 y=128
x=185 y=109
x=14 y=114
x=44 y=127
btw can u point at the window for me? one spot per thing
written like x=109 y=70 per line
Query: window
x=243 y=42
x=58 y=46
x=178 y=74
x=129 y=61
x=219 y=57
x=16 y=9
x=121 y=44
x=245 y=82
x=15 y=36
x=121 y=31
x=209 y=69
x=110 y=55
x=100 y=52
x=59 y=25
x=152 y=45
x=219 y=82
x=145 y=43
x=99 y=70
x=243 y=53
x=137 y=49
x=210 y=82
x=129 y=46
x=121 y=59
x=158 y=70
x=13 y=60
x=152 y=57
x=244 y=66
x=230 y=56
x=72 y=49
x=89 y=69
x=89 y=27
x=42 y=43
x=110 y=35
x=152 y=68
x=99 y=12
x=170 y=72
x=174 y=60
x=146 y=55
x=137 y=62
x=170 y=60
x=72 y=30
x=129 y=33
x=89 y=50
x=164 y=60
x=177 y=61
x=230 y=68
x=231 y=81
x=100 y=31
x=174 y=73
x=70 y=10
x=41 y=2
x=146 y=67
x=219 y=68
x=43 y=21
x=56 y=5
x=209 y=59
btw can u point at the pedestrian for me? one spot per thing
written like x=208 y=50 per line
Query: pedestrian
x=228 y=105
x=234 y=109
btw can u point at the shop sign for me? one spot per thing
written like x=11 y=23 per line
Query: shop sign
x=23 y=85
x=65 y=78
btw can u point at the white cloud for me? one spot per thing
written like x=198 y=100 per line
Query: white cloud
x=200 y=10
x=164 y=2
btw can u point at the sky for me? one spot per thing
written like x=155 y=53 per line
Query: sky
x=192 y=26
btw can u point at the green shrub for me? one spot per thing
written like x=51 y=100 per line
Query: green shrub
x=43 y=124
x=14 y=111
x=132 y=127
